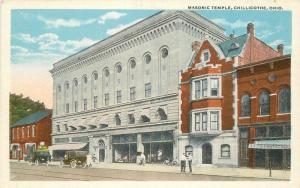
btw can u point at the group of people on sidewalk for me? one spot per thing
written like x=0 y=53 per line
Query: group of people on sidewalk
x=184 y=160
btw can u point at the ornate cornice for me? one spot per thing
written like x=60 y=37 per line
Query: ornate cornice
x=146 y=30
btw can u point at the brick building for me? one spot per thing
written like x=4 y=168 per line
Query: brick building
x=264 y=112
x=209 y=96
x=28 y=133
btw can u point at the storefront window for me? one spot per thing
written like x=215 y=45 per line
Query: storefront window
x=260 y=132
x=260 y=158
x=124 y=148
x=158 y=146
x=276 y=131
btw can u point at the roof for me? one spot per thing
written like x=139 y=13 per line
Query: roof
x=226 y=46
x=33 y=118
x=262 y=62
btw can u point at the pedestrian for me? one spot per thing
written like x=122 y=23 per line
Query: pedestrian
x=182 y=162
x=143 y=159
x=190 y=159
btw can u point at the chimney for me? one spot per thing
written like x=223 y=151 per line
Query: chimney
x=231 y=36
x=196 y=46
x=280 y=49
x=250 y=29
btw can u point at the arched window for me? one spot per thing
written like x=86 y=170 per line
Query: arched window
x=59 y=88
x=147 y=58
x=85 y=79
x=117 y=119
x=119 y=68
x=264 y=103
x=225 y=150
x=132 y=63
x=106 y=72
x=67 y=85
x=284 y=100
x=95 y=75
x=245 y=106
x=162 y=114
x=75 y=82
x=164 y=52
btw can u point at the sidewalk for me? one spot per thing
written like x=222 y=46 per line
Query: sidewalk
x=204 y=170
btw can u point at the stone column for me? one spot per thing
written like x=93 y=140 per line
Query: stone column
x=108 y=149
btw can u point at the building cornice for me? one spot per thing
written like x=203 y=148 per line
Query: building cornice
x=153 y=27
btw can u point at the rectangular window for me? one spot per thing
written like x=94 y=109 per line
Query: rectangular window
x=204 y=87
x=131 y=119
x=261 y=132
x=276 y=131
x=23 y=132
x=214 y=121
x=67 y=108
x=132 y=93
x=58 y=128
x=119 y=96
x=197 y=122
x=28 y=132
x=106 y=99
x=214 y=87
x=206 y=56
x=197 y=89
x=84 y=104
x=76 y=106
x=33 y=130
x=95 y=101
x=148 y=90
x=204 y=121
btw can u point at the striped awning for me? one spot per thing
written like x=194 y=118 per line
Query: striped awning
x=271 y=144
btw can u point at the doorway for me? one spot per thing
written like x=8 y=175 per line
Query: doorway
x=207 y=154
x=101 y=151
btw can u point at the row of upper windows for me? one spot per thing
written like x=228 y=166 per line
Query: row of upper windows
x=131 y=119
x=132 y=95
x=284 y=102
x=205 y=87
x=118 y=68
x=21 y=133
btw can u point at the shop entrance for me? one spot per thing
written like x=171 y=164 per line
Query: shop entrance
x=206 y=154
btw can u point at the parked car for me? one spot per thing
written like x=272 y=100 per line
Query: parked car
x=75 y=158
x=40 y=157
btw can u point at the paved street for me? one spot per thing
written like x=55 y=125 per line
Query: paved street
x=24 y=172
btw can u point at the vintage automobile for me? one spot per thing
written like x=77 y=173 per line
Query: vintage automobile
x=75 y=158
x=40 y=157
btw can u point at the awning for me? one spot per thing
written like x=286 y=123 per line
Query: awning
x=271 y=144
x=66 y=147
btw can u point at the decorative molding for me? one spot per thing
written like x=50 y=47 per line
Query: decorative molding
x=148 y=30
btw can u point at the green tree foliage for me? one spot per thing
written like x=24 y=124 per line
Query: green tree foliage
x=21 y=107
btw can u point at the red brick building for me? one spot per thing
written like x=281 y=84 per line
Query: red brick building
x=28 y=133
x=264 y=112
x=209 y=96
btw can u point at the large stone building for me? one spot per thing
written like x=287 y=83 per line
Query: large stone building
x=120 y=96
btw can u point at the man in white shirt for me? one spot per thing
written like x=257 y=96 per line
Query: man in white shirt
x=190 y=159
x=182 y=162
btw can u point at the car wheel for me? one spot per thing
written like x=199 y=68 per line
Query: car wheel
x=73 y=164
x=37 y=163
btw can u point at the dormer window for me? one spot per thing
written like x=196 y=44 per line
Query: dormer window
x=234 y=46
x=205 y=56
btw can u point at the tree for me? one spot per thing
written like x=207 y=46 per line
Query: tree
x=21 y=107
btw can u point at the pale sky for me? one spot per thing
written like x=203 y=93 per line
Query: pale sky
x=43 y=37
